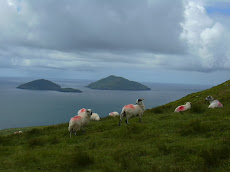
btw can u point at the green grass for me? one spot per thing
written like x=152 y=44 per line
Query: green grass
x=198 y=140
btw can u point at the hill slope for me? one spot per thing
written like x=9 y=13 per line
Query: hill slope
x=198 y=140
x=116 y=83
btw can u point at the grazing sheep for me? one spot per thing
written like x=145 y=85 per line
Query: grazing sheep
x=95 y=117
x=213 y=103
x=182 y=108
x=78 y=122
x=114 y=114
x=132 y=110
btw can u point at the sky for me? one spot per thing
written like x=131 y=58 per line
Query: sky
x=179 y=41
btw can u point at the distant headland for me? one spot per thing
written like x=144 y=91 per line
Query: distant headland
x=117 y=83
x=42 y=84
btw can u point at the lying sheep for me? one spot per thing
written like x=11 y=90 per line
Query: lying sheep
x=132 y=110
x=95 y=117
x=114 y=114
x=18 y=132
x=213 y=103
x=183 y=108
x=78 y=122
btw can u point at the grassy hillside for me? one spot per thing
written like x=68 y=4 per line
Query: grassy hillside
x=198 y=140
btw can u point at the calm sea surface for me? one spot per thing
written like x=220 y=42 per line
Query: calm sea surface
x=23 y=108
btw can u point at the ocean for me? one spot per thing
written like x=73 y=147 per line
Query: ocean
x=25 y=108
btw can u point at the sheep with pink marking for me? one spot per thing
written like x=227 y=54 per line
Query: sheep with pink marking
x=213 y=103
x=95 y=117
x=131 y=110
x=79 y=122
x=114 y=114
x=183 y=108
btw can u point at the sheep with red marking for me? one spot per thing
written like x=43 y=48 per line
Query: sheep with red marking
x=183 y=108
x=95 y=117
x=131 y=110
x=114 y=114
x=213 y=103
x=79 y=122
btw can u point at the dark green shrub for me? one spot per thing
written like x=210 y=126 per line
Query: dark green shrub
x=193 y=127
x=34 y=131
x=81 y=158
x=214 y=155
x=197 y=108
x=36 y=142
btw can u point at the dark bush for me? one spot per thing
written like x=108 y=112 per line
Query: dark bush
x=36 y=142
x=193 y=127
x=197 y=108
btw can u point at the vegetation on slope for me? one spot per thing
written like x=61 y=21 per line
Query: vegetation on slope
x=116 y=83
x=198 y=140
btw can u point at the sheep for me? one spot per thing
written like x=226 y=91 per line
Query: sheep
x=78 y=122
x=114 y=114
x=182 y=108
x=213 y=103
x=18 y=132
x=132 y=110
x=95 y=117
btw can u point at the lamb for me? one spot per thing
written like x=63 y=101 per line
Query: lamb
x=78 y=122
x=95 y=117
x=114 y=114
x=182 y=108
x=132 y=111
x=213 y=103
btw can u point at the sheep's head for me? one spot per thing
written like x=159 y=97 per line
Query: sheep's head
x=209 y=98
x=139 y=101
x=89 y=112
x=188 y=103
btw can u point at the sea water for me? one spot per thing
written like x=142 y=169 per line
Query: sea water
x=24 y=108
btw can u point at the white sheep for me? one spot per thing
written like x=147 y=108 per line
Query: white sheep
x=182 y=108
x=133 y=110
x=18 y=132
x=78 y=122
x=114 y=114
x=95 y=117
x=213 y=103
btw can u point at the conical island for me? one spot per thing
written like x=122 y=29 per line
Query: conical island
x=117 y=83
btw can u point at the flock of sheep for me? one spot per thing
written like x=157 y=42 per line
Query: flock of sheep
x=84 y=116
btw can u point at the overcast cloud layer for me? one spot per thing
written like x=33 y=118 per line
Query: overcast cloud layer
x=86 y=35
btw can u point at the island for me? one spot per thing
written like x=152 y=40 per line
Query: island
x=117 y=83
x=42 y=84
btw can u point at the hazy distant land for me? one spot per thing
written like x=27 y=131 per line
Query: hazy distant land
x=42 y=84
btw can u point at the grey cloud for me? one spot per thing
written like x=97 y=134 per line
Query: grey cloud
x=100 y=25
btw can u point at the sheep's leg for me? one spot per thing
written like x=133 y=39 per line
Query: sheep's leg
x=121 y=116
x=181 y=112
x=83 y=129
x=75 y=133
x=140 y=119
x=127 y=121
x=70 y=134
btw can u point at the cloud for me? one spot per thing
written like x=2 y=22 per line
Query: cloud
x=207 y=39
x=85 y=35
